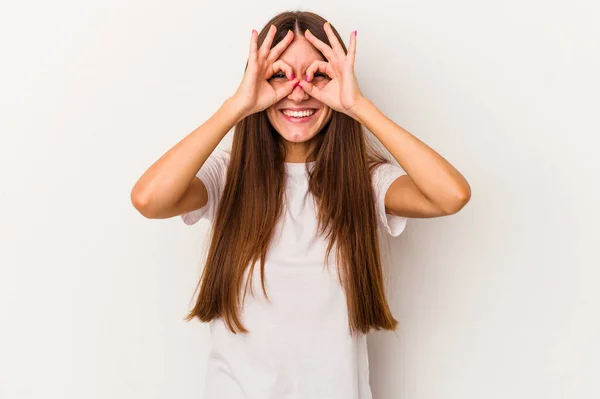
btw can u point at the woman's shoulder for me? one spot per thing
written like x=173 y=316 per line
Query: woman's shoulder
x=221 y=152
x=219 y=157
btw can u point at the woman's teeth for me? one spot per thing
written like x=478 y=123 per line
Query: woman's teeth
x=298 y=114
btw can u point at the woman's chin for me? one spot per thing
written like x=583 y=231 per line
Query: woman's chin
x=297 y=136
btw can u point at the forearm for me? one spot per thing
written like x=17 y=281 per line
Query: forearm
x=167 y=179
x=435 y=177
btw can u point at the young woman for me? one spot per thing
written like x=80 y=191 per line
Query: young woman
x=293 y=279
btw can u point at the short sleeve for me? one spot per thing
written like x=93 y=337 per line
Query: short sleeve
x=383 y=176
x=212 y=173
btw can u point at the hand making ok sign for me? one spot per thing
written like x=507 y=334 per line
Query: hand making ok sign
x=341 y=92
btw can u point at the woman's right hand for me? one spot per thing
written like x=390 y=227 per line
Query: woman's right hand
x=255 y=93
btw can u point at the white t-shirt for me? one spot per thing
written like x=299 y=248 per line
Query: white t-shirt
x=299 y=345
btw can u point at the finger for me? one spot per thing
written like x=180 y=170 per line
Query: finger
x=253 y=44
x=352 y=48
x=280 y=47
x=335 y=44
x=286 y=89
x=280 y=66
x=266 y=45
x=311 y=90
x=322 y=47
x=319 y=66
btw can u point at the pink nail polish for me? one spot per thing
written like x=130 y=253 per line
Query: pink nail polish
x=355 y=33
x=307 y=78
x=292 y=76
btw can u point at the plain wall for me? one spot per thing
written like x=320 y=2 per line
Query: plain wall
x=497 y=301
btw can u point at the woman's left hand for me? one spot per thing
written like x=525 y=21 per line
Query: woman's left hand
x=341 y=92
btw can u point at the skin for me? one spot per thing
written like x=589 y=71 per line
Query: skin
x=299 y=137
x=432 y=186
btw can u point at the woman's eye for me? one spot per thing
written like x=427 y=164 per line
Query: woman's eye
x=279 y=75
x=322 y=75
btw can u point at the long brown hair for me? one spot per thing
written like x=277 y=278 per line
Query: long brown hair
x=252 y=202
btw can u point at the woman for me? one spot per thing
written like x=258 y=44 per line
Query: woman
x=303 y=195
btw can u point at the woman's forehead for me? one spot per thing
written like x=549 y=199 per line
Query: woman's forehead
x=300 y=53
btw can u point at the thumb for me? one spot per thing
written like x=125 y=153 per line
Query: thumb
x=311 y=89
x=286 y=89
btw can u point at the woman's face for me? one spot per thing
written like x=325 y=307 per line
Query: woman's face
x=300 y=127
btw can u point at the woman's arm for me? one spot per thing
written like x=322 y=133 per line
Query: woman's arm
x=162 y=188
x=170 y=187
x=432 y=186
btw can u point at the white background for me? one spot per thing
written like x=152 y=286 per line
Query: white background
x=498 y=301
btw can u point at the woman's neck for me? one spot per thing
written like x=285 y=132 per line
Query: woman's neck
x=299 y=152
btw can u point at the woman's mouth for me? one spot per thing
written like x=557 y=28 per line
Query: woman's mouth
x=298 y=116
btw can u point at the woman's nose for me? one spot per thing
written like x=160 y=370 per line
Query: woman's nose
x=298 y=94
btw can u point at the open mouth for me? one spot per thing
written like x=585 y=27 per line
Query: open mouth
x=299 y=116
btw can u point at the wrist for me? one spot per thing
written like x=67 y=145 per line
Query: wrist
x=235 y=108
x=360 y=109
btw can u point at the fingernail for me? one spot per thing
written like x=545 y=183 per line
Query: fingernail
x=308 y=31
x=307 y=78
x=355 y=33
x=297 y=83
x=292 y=76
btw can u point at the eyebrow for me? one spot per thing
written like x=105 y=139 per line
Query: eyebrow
x=305 y=67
